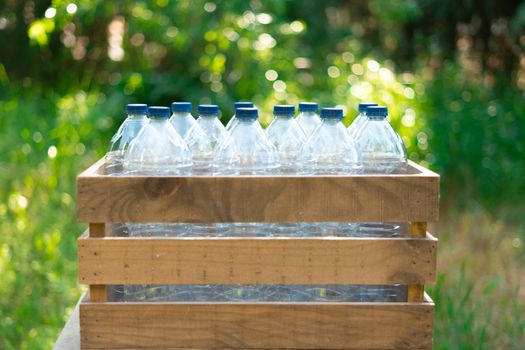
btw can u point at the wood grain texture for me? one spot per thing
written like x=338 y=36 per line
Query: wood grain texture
x=407 y=197
x=256 y=325
x=98 y=292
x=97 y=230
x=416 y=292
x=276 y=260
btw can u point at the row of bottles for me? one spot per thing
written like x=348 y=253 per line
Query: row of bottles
x=157 y=141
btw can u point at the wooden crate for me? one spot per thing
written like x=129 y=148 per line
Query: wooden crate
x=106 y=260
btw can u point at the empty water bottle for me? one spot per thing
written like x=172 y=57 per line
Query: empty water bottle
x=181 y=119
x=382 y=152
x=308 y=118
x=246 y=150
x=287 y=137
x=209 y=122
x=199 y=144
x=158 y=150
x=358 y=122
x=329 y=150
x=233 y=120
x=128 y=130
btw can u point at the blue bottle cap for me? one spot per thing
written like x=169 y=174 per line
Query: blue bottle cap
x=159 y=112
x=308 y=107
x=181 y=106
x=242 y=105
x=364 y=105
x=336 y=113
x=209 y=110
x=287 y=110
x=247 y=113
x=377 y=111
x=137 y=108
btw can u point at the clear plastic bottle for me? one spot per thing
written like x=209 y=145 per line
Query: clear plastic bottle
x=158 y=150
x=209 y=122
x=246 y=150
x=233 y=120
x=181 y=119
x=382 y=152
x=308 y=118
x=358 y=122
x=287 y=137
x=128 y=130
x=329 y=151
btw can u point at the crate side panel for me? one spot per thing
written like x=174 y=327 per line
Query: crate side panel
x=258 y=199
x=257 y=260
x=257 y=325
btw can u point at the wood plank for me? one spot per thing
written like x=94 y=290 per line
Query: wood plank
x=257 y=325
x=97 y=229
x=398 y=198
x=98 y=293
x=275 y=260
x=416 y=292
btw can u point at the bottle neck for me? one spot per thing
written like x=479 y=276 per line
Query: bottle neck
x=309 y=114
x=180 y=114
x=283 y=116
x=209 y=116
x=137 y=116
x=376 y=117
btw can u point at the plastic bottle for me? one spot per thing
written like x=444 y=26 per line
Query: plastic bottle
x=233 y=120
x=199 y=144
x=329 y=151
x=382 y=152
x=308 y=118
x=128 y=130
x=209 y=122
x=246 y=150
x=287 y=136
x=358 y=122
x=158 y=150
x=181 y=119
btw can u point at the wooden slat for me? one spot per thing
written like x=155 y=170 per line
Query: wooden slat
x=416 y=292
x=256 y=325
x=401 y=198
x=98 y=293
x=97 y=230
x=117 y=260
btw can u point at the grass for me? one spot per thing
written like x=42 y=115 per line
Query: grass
x=480 y=293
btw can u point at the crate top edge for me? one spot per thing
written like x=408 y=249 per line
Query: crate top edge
x=93 y=172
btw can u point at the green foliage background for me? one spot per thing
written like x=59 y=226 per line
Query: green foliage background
x=452 y=74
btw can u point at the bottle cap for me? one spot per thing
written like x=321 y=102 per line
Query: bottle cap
x=377 y=111
x=247 y=113
x=160 y=112
x=137 y=108
x=242 y=105
x=336 y=113
x=364 y=105
x=308 y=107
x=286 y=110
x=209 y=109
x=181 y=106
